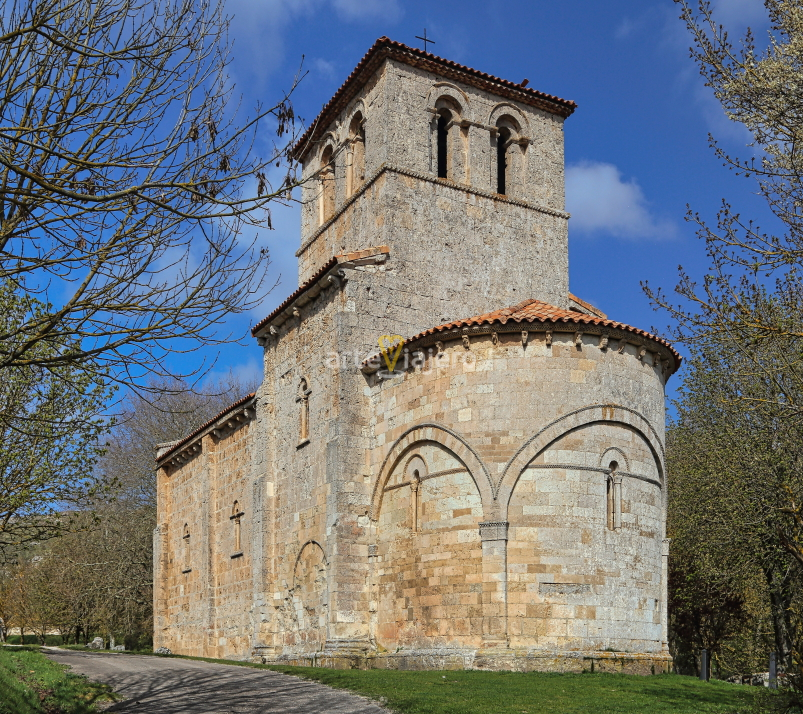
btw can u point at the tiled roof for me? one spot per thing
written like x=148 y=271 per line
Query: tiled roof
x=327 y=266
x=586 y=306
x=181 y=442
x=385 y=47
x=536 y=311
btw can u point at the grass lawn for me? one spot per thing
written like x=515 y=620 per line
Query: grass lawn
x=471 y=692
x=31 y=684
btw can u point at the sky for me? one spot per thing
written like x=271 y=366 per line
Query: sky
x=637 y=151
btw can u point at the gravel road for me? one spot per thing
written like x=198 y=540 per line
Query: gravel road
x=179 y=686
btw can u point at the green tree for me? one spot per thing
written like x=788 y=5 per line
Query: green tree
x=51 y=419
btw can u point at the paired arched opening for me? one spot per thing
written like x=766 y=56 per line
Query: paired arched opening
x=449 y=141
x=508 y=156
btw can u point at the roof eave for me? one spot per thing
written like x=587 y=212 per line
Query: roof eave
x=385 y=48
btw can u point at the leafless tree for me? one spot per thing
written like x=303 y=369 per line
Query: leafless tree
x=130 y=187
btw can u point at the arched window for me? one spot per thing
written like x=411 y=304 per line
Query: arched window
x=302 y=399
x=186 y=555
x=236 y=517
x=444 y=159
x=614 y=497
x=502 y=144
x=357 y=140
x=326 y=176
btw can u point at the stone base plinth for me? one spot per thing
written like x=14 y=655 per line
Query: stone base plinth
x=492 y=659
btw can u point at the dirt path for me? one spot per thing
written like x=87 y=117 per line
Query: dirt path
x=180 y=686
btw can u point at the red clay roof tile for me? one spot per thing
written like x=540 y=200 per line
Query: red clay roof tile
x=538 y=311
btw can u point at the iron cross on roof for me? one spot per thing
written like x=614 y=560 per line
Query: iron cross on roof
x=425 y=39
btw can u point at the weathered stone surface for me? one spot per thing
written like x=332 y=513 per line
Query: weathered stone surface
x=498 y=502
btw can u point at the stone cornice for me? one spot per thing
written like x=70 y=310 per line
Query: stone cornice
x=332 y=274
x=391 y=168
x=606 y=334
x=225 y=423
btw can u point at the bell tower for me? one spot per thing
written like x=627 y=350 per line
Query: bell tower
x=458 y=172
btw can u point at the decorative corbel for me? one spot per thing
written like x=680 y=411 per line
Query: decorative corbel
x=603 y=341
x=578 y=340
x=439 y=347
x=548 y=338
x=273 y=331
x=466 y=341
x=622 y=345
x=524 y=335
x=642 y=351
x=296 y=312
x=261 y=341
x=494 y=339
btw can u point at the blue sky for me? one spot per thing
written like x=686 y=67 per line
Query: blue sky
x=636 y=148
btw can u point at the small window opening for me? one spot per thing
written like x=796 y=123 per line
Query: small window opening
x=444 y=118
x=502 y=143
x=186 y=539
x=236 y=516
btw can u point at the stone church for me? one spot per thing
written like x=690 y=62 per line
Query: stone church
x=452 y=461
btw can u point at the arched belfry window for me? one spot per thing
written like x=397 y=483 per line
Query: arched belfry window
x=236 y=519
x=356 y=176
x=509 y=156
x=302 y=399
x=186 y=548
x=444 y=158
x=326 y=175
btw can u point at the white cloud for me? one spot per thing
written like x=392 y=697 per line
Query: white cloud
x=600 y=201
x=625 y=29
x=388 y=10
x=739 y=12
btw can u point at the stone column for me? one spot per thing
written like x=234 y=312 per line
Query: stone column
x=493 y=535
x=617 y=502
x=665 y=594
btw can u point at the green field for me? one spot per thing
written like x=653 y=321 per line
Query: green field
x=32 y=684
x=470 y=692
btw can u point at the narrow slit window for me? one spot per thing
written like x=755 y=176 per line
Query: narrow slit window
x=614 y=497
x=186 y=547
x=236 y=519
x=444 y=118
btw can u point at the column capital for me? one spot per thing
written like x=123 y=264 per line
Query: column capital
x=493 y=530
